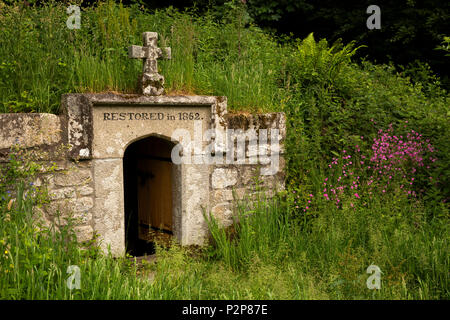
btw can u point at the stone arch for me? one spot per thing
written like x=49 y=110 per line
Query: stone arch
x=152 y=193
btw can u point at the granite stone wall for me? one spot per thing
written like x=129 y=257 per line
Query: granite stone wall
x=41 y=139
x=89 y=189
x=242 y=181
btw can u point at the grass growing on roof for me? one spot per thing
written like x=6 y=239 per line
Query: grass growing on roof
x=298 y=246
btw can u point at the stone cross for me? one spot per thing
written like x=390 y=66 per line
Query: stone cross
x=152 y=83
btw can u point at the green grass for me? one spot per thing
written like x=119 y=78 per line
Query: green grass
x=42 y=58
x=273 y=255
x=278 y=251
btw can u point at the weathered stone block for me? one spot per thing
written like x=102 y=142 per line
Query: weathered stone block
x=81 y=217
x=195 y=199
x=79 y=125
x=225 y=195
x=62 y=193
x=29 y=130
x=222 y=195
x=73 y=177
x=224 y=177
x=62 y=207
x=108 y=213
x=248 y=175
x=239 y=194
x=83 y=204
x=223 y=213
x=85 y=191
x=84 y=233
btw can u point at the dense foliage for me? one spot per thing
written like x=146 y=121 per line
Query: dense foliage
x=345 y=115
x=410 y=30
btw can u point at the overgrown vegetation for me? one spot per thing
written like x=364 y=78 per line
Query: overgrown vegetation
x=301 y=245
x=273 y=253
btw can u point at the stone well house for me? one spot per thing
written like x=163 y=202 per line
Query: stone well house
x=115 y=168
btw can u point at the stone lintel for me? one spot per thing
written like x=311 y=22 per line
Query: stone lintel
x=78 y=112
x=41 y=131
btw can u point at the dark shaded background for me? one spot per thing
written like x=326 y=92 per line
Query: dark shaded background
x=410 y=29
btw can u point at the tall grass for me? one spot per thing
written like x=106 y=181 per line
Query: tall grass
x=270 y=256
x=262 y=230
x=276 y=250
x=336 y=248
x=42 y=58
x=271 y=252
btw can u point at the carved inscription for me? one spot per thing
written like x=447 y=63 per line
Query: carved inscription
x=123 y=116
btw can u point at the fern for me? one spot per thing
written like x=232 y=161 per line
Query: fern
x=320 y=63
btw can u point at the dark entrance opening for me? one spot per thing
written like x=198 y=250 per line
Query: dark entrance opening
x=148 y=195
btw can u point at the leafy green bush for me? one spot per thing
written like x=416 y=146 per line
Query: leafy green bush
x=315 y=248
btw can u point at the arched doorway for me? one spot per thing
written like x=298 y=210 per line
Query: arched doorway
x=148 y=193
